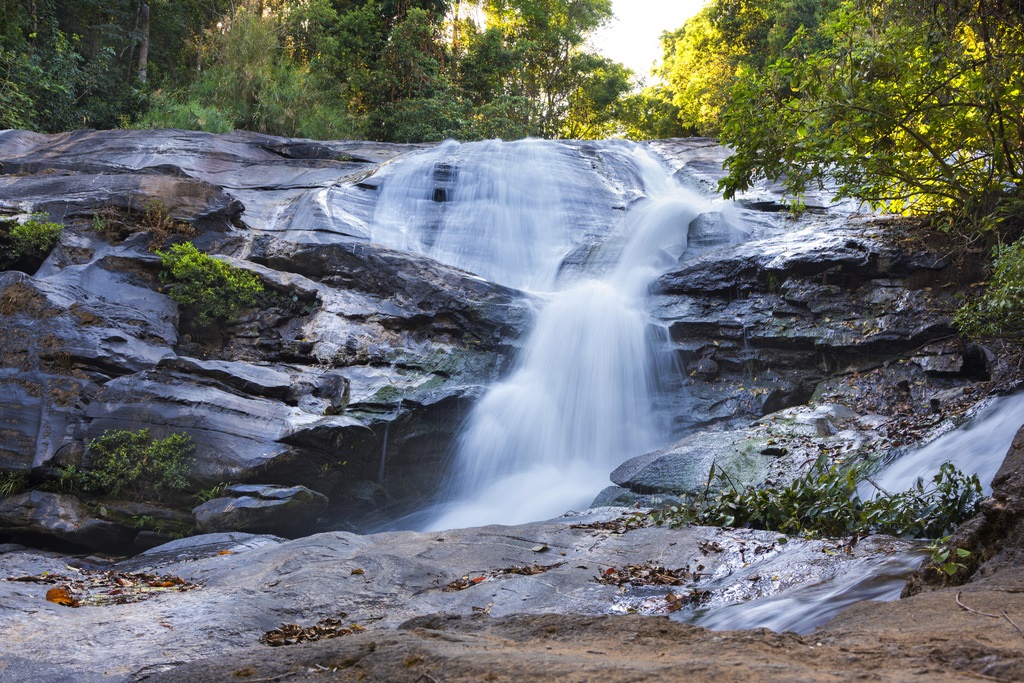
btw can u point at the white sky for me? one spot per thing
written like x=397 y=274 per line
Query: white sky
x=632 y=37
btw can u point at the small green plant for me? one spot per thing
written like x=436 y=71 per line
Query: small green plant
x=130 y=464
x=945 y=559
x=65 y=479
x=27 y=244
x=824 y=502
x=205 y=495
x=208 y=289
x=12 y=483
x=999 y=312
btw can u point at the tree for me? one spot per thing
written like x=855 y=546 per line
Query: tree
x=912 y=106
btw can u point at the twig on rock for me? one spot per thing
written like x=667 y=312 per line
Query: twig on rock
x=1002 y=615
x=973 y=611
x=1012 y=622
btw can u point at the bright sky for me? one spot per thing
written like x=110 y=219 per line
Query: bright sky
x=632 y=37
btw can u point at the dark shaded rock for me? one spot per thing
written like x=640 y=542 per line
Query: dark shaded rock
x=704 y=369
x=63 y=517
x=70 y=195
x=236 y=435
x=255 y=508
x=778 y=317
x=249 y=378
x=418 y=293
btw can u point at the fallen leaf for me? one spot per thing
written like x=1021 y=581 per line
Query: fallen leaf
x=61 y=596
x=358 y=572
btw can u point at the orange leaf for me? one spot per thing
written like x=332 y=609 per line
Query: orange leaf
x=61 y=596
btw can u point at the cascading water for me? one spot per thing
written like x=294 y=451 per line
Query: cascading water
x=976 y=448
x=581 y=397
x=492 y=208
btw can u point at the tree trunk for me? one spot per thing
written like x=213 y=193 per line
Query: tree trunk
x=144 y=47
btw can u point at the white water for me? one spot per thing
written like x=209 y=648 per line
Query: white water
x=493 y=208
x=580 y=399
x=977 y=448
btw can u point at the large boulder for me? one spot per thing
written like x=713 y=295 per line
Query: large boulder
x=262 y=509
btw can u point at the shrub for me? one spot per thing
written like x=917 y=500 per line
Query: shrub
x=26 y=245
x=131 y=464
x=824 y=502
x=999 y=312
x=208 y=289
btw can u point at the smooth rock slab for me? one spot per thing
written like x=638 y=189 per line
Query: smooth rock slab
x=41 y=513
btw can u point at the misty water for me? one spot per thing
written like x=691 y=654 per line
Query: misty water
x=582 y=393
x=581 y=396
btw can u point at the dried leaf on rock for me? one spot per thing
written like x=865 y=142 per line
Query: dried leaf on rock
x=290 y=634
x=618 y=526
x=61 y=596
x=464 y=582
x=100 y=588
x=646 y=575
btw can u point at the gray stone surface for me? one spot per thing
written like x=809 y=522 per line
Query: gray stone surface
x=251 y=584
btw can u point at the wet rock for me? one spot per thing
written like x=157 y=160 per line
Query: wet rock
x=683 y=468
x=780 y=317
x=418 y=293
x=70 y=195
x=262 y=509
x=59 y=516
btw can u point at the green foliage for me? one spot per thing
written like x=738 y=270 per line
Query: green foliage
x=999 y=312
x=131 y=464
x=910 y=106
x=208 y=494
x=722 y=45
x=251 y=82
x=824 y=502
x=207 y=288
x=25 y=245
x=383 y=69
x=945 y=559
x=12 y=483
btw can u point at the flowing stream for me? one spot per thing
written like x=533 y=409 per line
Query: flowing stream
x=978 y=447
x=581 y=396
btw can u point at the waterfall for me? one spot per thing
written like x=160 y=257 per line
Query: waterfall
x=580 y=398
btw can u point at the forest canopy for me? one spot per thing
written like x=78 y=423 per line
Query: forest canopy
x=398 y=70
x=913 y=106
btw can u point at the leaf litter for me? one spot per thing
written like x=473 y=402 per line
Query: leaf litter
x=325 y=629
x=89 y=588
x=468 y=580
